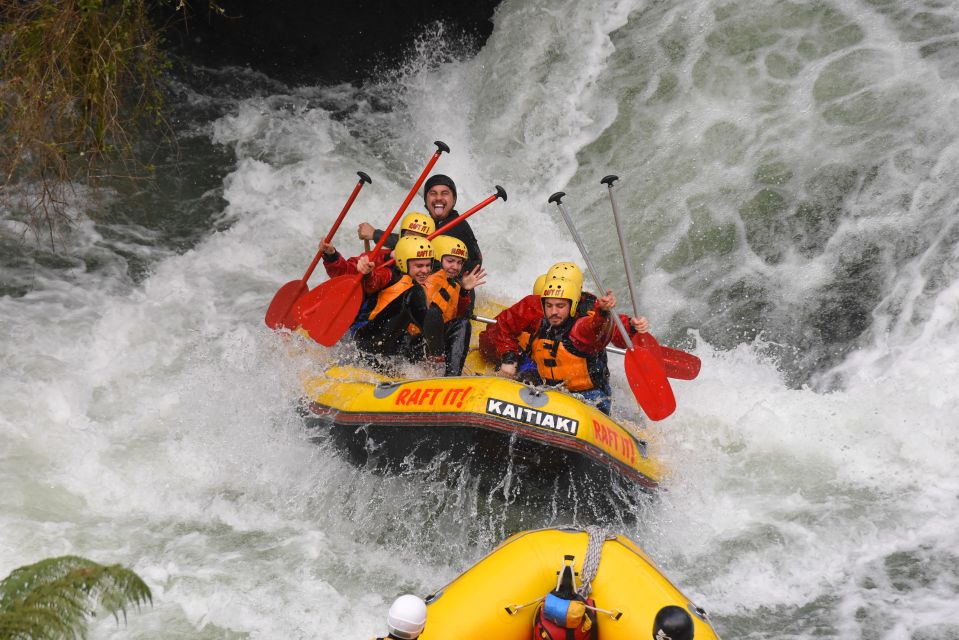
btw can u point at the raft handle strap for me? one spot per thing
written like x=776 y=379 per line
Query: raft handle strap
x=515 y=608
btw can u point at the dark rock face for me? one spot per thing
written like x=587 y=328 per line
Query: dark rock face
x=313 y=41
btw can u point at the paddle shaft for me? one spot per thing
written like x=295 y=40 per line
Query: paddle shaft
x=500 y=193
x=556 y=197
x=441 y=147
x=336 y=225
x=288 y=295
x=608 y=181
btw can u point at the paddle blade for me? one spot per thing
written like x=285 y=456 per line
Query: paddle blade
x=647 y=379
x=327 y=311
x=278 y=314
x=679 y=364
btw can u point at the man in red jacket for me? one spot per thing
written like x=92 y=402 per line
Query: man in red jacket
x=567 y=346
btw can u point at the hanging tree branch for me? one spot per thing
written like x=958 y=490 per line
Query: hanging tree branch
x=78 y=79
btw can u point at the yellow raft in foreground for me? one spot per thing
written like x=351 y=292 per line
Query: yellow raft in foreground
x=493 y=416
x=524 y=567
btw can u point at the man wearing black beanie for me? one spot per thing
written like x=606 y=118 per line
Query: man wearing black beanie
x=439 y=195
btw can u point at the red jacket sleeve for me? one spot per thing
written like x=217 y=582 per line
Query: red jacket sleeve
x=378 y=260
x=377 y=280
x=337 y=266
x=592 y=332
x=501 y=338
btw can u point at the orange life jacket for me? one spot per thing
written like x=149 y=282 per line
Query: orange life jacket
x=559 y=361
x=443 y=293
x=523 y=340
x=391 y=293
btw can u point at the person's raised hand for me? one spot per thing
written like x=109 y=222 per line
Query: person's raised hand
x=607 y=302
x=365 y=231
x=474 y=278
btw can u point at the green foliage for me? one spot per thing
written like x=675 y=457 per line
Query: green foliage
x=53 y=599
x=77 y=80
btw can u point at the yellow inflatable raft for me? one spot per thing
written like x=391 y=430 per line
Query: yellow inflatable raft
x=492 y=416
x=486 y=600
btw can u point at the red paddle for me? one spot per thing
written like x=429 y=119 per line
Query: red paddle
x=647 y=378
x=644 y=371
x=676 y=363
x=328 y=332
x=277 y=314
x=329 y=309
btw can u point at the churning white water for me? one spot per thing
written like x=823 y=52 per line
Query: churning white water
x=789 y=179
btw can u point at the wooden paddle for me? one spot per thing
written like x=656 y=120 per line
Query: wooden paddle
x=325 y=331
x=327 y=311
x=278 y=313
x=644 y=371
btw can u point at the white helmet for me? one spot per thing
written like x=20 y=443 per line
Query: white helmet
x=407 y=617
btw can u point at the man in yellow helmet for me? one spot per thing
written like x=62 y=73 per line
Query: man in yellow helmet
x=451 y=290
x=401 y=312
x=439 y=196
x=414 y=223
x=571 y=271
x=565 y=343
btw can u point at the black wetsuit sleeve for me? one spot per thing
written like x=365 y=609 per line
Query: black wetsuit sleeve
x=416 y=304
x=469 y=239
x=390 y=242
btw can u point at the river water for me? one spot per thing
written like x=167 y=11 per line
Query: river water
x=788 y=179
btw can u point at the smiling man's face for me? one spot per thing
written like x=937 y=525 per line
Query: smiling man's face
x=440 y=201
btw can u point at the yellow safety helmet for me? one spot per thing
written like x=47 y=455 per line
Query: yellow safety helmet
x=411 y=248
x=562 y=288
x=566 y=271
x=538 y=285
x=450 y=246
x=417 y=222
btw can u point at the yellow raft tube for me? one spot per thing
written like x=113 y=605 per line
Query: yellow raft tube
x=444 y=409
x=524 y=567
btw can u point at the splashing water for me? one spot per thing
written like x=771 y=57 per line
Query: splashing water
x=788 y=176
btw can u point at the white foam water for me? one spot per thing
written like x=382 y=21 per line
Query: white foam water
x=788 y=176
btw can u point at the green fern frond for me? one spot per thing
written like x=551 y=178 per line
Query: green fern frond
x=54 y=597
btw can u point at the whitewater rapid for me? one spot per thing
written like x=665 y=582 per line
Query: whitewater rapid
x=789 y=179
